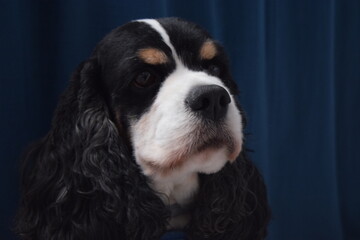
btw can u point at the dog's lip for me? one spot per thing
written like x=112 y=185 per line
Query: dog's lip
x=212 y=133
x=219 y=137
x=212 y=143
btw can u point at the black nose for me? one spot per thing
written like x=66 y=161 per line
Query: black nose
x=211 y=101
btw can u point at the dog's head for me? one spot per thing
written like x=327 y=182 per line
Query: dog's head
x=169 y=87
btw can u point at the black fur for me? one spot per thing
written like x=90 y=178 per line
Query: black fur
x=82 y=182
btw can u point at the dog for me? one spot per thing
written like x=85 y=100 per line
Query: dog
x=147 y=138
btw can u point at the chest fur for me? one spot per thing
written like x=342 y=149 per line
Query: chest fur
x=177 y=189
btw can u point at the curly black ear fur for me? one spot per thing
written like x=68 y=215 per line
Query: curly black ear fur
x=231 y=204
x=80 y=181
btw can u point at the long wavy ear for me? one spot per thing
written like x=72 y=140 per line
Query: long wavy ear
x=80 y=181
x=231 y=204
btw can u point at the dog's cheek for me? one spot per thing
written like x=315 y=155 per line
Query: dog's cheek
x=140 y=133
x=234 y=122
x=156 y=141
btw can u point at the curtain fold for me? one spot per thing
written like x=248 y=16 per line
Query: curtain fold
x=297 y=64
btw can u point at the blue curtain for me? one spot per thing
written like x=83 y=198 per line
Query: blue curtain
x=298 y=67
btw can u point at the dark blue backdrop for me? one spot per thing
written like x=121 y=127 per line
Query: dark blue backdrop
x=298 y=67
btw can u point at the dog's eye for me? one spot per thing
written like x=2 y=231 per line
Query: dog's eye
x=144 y=80
x=213 y=70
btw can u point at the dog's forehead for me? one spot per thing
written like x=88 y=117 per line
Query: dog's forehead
x=184 y=35
x=168 y=35
x=185 y=39
x=178 y=32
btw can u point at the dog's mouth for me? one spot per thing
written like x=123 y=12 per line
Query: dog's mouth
x=210 y=136
x=203 y=140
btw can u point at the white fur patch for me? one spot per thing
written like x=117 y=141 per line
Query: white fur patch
x=157 y=27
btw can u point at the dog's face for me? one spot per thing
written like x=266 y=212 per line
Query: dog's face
x=170 y=89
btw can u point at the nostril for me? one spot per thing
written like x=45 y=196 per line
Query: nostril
x=224 y=100
x=205 y=102
x=198 y=103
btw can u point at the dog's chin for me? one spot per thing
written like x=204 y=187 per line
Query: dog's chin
x=213 y=154
x=206 y=150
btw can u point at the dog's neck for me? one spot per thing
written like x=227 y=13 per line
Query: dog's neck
x=176 y=189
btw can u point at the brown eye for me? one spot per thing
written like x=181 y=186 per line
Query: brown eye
x=213 y=70
x=144 y=80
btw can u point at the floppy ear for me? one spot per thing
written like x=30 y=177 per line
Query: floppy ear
x=80 y=181
x=231 y=204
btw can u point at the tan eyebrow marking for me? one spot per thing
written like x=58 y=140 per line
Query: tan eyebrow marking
x=208 y=50
x=152 y=56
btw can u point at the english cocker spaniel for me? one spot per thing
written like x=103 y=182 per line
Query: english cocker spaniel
x=147 y=138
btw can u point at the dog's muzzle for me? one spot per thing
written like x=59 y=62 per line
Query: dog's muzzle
x=209 y=101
